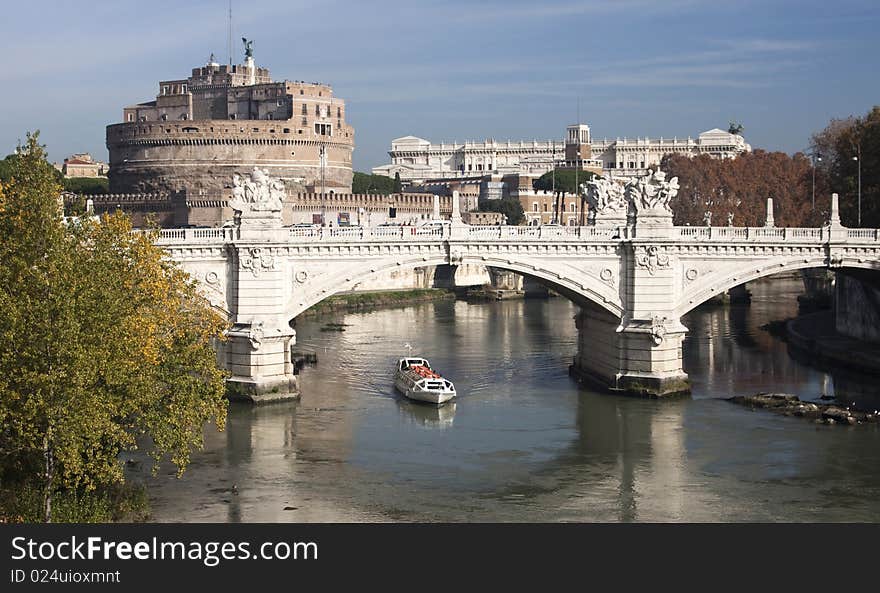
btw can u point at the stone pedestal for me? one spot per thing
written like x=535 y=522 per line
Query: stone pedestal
x=260 y=363
x=641 y=358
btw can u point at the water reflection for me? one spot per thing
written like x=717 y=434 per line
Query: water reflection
x=428 y=416
x=522 y=442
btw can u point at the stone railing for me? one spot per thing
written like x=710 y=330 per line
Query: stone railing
x=212 y=235
x=730 y=233
x=404 y=233
x=865 y=234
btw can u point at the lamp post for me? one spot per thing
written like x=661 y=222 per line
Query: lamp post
x=816 y=159
x=858 y=159
x=322 y=157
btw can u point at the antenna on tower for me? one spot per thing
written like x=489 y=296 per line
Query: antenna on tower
x=229 y=38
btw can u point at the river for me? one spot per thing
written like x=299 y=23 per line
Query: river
x=524 y=442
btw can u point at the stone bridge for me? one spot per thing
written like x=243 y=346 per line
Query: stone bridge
x=632 y=273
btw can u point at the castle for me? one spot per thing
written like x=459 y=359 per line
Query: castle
x=228 y=119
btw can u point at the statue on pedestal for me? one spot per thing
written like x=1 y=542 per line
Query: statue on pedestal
x=260 y=193
x=248 y=47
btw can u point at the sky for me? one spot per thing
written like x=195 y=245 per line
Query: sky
x=457 y=69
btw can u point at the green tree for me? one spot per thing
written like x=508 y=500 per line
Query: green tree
x=566 y=180
x=87 y=185
x=365 y=183
x=398 y=187
x=509 y=207
x=104 y=344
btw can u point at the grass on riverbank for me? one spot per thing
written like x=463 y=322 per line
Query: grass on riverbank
x=123 y=503
x=371 y=300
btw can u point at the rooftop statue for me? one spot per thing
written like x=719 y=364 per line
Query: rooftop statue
x=260 y=193
x=248 y=47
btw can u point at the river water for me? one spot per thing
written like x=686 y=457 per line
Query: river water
x=524 y=442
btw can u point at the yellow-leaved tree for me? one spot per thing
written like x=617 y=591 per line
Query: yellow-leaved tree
x=104 y=343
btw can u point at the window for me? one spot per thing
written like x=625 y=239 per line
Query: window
x=470 y=167
x=572 y=207
x=317 y=110
x=300 y=91
x=339 y=112
x=305 y=122
x=642 y=165
x=304 y=110
x=489 y=166
x=534 y=206
x=280 y=103
x=130 y=117
x=268 y=116
x=164 y=89
x=183 y=89
x=545 y=206
x=164 y=117
x=231 y=116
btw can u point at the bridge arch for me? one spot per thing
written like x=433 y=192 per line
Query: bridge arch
x=584 y=288
x=717 y=283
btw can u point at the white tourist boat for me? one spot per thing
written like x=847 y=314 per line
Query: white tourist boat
x=416 y=380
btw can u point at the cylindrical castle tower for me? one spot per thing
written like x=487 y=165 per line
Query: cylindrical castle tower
x=224 y=120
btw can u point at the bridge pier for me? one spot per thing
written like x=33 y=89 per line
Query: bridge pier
x=261 y=367
x=636 y=357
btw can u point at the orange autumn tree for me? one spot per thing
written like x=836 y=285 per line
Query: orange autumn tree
x=103 y=343
x=741 y=187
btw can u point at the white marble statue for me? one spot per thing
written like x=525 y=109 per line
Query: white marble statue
x=605 y=197
x=652 y=192
x=260 y=193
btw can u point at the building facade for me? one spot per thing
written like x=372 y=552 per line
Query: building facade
x=82 y=165
x=225 y=120
x=418 y=160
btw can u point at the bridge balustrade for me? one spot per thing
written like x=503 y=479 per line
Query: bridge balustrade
x=870 y=234
x=816 y=235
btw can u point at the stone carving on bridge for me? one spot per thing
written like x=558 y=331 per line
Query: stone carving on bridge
x=260 y=193
x=658 y=329
x=257 y=260
x=255 y=335
x=651 y=193
x=607 y=276
x=652 y=258
x=606 y=199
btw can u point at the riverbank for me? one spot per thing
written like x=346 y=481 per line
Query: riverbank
x=360 y=301
x=814 y=335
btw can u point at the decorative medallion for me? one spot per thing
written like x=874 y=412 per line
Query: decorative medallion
x=658 y=329
x=301 y=276
x=652 y=259
x=255 y=335
x=257 y=259
x=607 y=276
x=211 y=277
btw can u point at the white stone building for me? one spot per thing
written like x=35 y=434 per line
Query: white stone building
x=418 y=160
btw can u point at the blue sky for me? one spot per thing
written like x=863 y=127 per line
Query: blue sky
x=455 y=70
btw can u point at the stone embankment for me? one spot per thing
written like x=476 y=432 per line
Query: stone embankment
x=790 y=405
x=360 y=301
x=815 y=335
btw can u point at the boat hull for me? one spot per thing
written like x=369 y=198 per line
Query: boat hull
x=431 y=397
